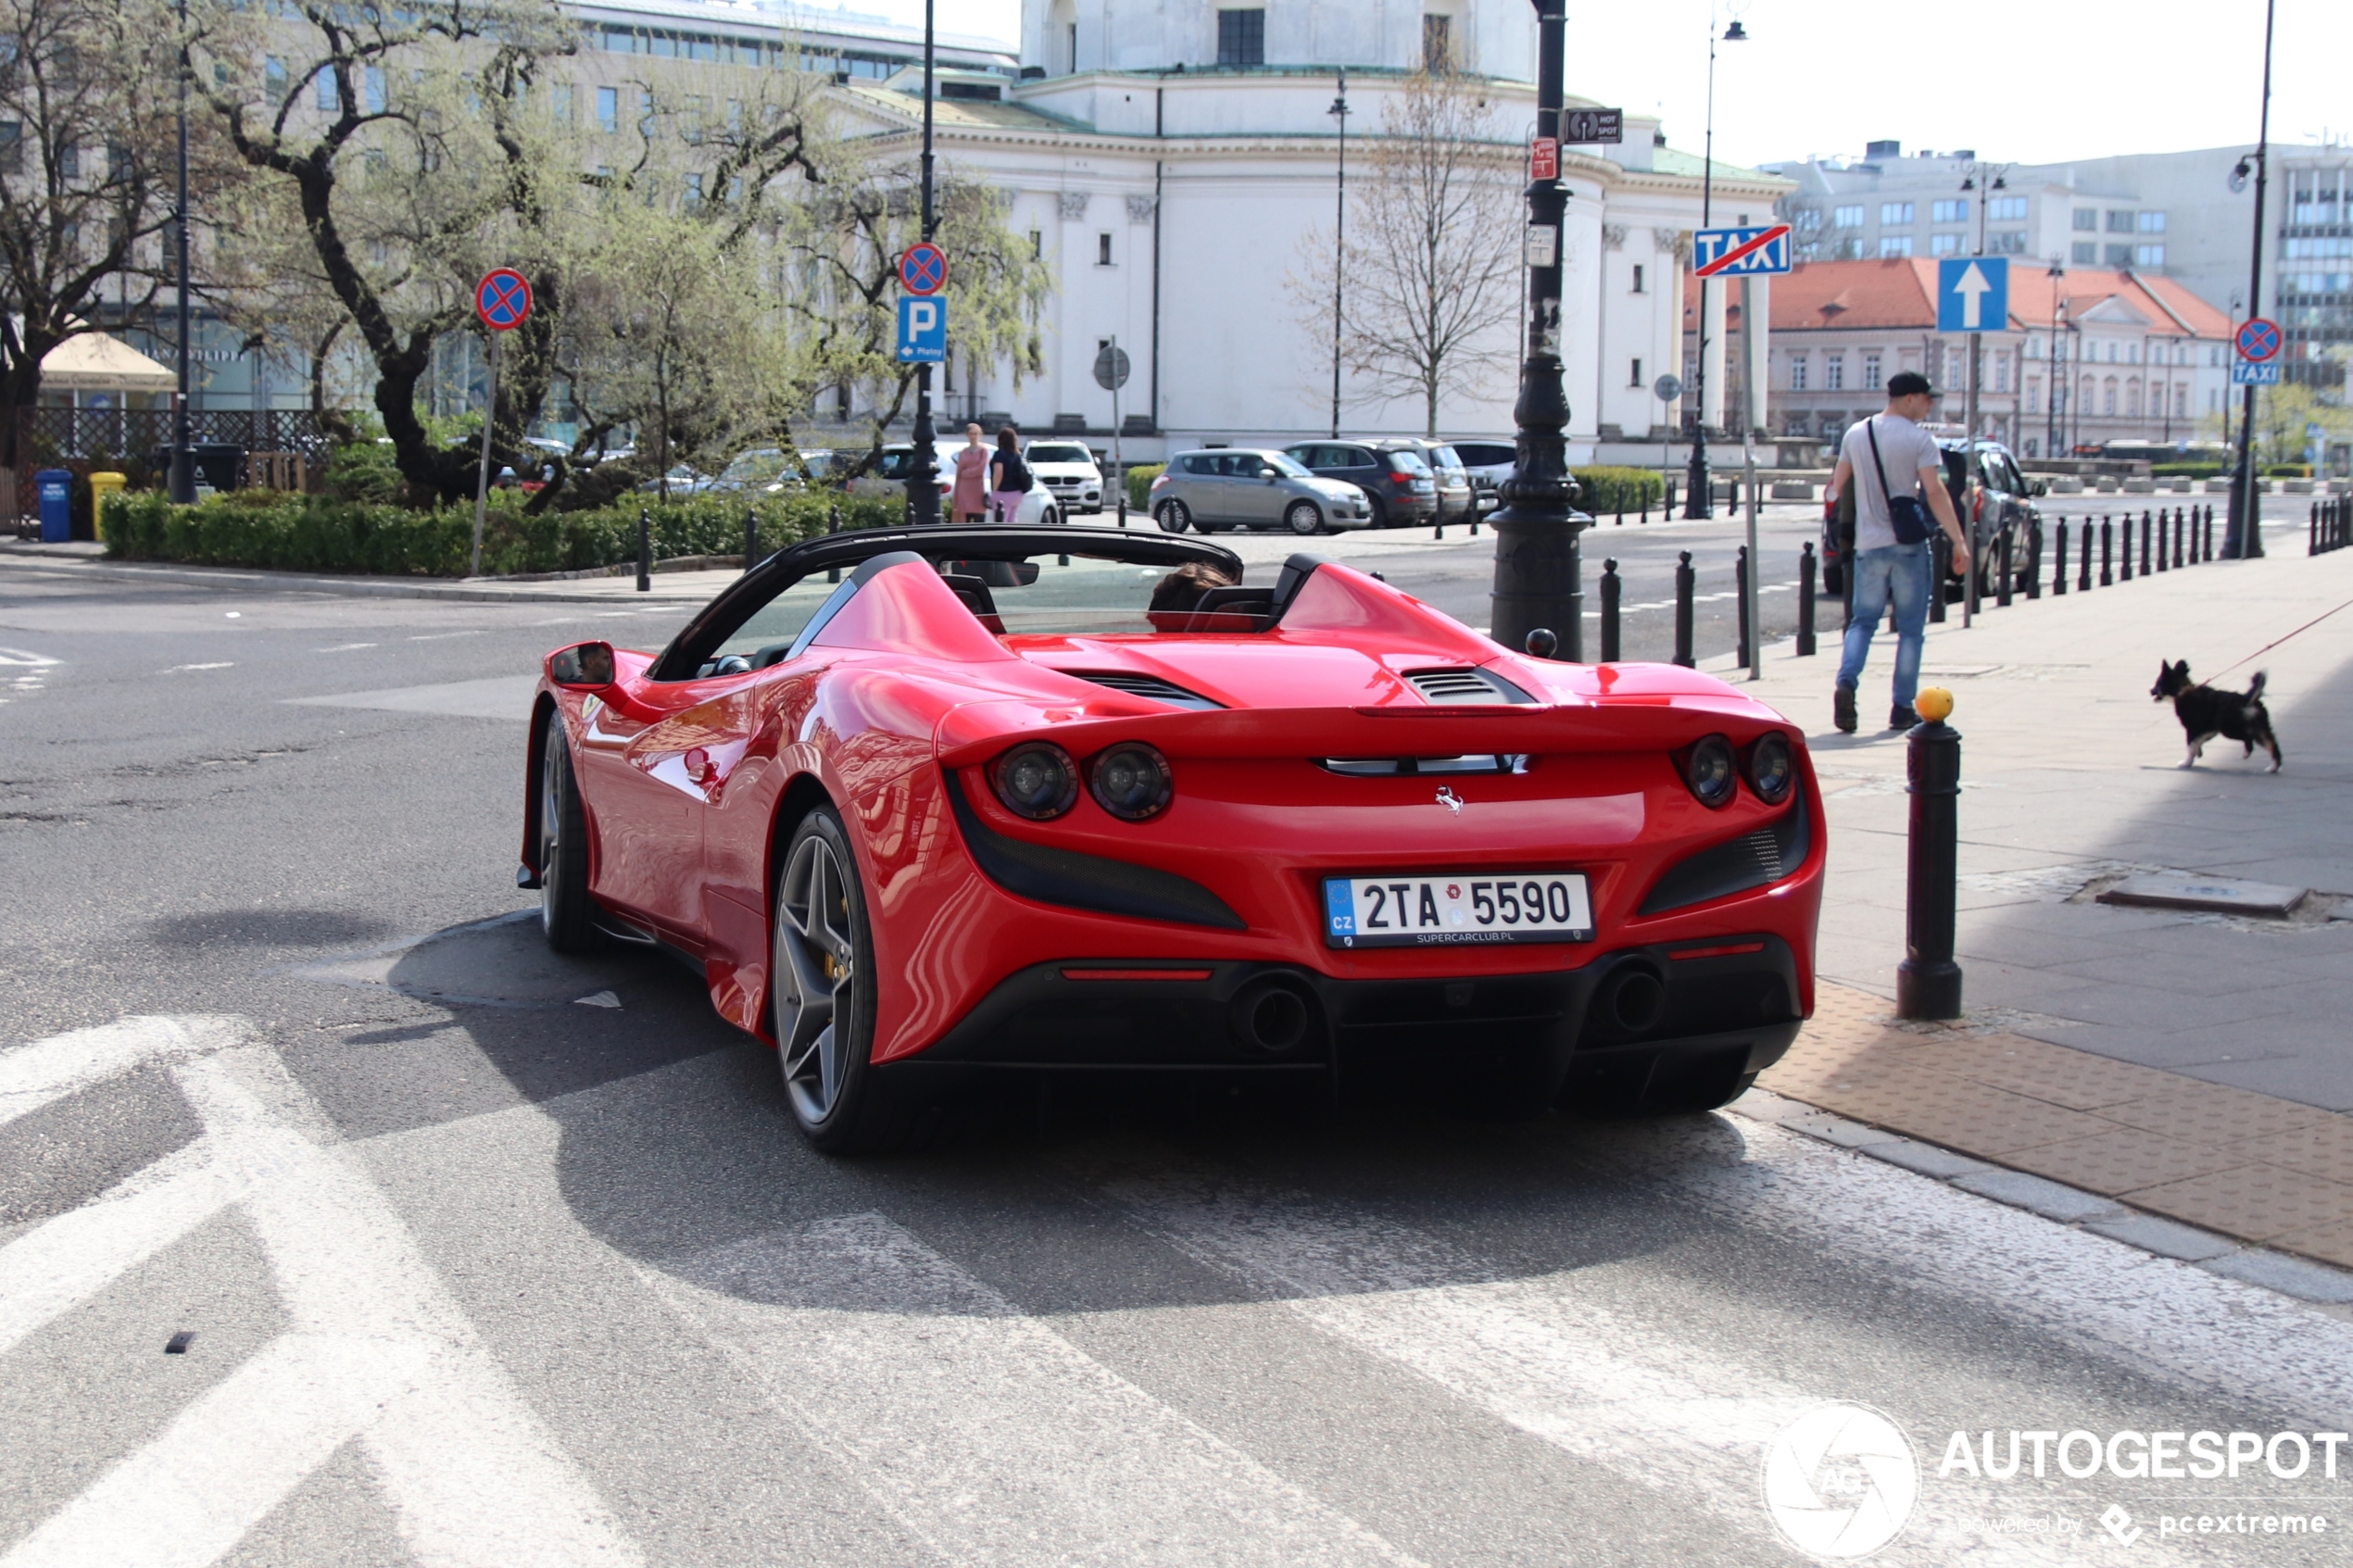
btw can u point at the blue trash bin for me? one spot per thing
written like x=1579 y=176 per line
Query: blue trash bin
x=55 y=487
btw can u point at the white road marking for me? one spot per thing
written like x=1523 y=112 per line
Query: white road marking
x=980 y=1429
x=179 y=669
x=18 y=656
x=231 y=1457
x=377 y=1349
x=33 y=1076
x=598 y=999
x=345 y=647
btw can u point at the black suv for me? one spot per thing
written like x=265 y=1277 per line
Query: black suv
x=2004 y=509
x=1391 y=474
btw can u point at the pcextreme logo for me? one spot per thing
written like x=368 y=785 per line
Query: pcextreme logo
x=1841 y=1480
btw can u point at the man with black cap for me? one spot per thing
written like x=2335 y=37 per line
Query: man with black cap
x=1895 y=466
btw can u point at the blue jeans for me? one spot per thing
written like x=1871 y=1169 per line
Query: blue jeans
x=1900 y=571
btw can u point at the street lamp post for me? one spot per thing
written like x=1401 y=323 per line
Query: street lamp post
x=922 y=486
x=180 y=484
x=2244 y=538
x=1977 y=377
x=1339 y=111
x=1699 y=500
x=1537 y=582
x=2057 y=275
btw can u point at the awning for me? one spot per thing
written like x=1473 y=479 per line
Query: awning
x=94 y=362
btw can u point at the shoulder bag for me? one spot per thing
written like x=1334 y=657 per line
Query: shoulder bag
x=1907 y=515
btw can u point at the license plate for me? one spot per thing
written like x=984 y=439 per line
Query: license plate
x=1456 y=909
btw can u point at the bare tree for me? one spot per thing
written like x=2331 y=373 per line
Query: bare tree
x=1433 y=251
x=86 y=143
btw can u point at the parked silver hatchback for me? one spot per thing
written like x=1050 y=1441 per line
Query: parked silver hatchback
x=1247 y=487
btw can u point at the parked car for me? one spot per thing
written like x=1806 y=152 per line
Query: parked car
x=1244 y=487
x=2002 y=506
x=1457 y=497
x=1396 y=480
x=1487 y=463
x=1070 y=472
x=888 y=480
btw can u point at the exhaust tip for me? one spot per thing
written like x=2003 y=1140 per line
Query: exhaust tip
x=1634 y=998
x=1272 y=1015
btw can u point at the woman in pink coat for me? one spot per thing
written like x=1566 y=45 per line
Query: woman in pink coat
x=969 y=503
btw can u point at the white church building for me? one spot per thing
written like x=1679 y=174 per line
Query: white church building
x=1169 y=160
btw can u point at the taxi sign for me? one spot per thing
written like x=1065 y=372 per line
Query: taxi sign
x=1741 y=253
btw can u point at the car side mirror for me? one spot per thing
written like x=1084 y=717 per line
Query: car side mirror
x=2037 y=487
x=1025 y=573
x=582 y=667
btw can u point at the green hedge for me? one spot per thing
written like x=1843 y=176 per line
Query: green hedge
x=1140 y=484
x=1618 y=489
x=2185 y=470
x=2288 y=471
x=317 y=533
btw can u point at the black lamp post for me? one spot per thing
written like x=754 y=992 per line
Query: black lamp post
x=180 y=484
x=1339 y=111
x=1537 y=573
x=2058 y=371
x=922 y=486
x=2242 y=538
x=1699 y=500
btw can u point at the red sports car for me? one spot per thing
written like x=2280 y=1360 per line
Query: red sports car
x=928 y=807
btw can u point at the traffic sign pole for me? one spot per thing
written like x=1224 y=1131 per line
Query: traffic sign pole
x=503 y=301
x=482 y=480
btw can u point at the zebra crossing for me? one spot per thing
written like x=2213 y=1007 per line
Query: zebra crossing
x=980 y=1428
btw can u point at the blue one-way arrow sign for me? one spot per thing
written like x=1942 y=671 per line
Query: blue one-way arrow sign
x=1973 y=293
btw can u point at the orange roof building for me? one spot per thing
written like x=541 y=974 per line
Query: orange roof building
x=2137 y=358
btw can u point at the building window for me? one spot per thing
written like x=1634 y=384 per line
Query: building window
x=607 y=109
x=2006 y=209
x=2108 y=404
x=1636 y=378
x=1871 y=370
x=1437 y=43
x=2117 y=255
x=2120 y=223
x=2002 y=372
x=2086 y=220
x=1807 y=219
x=1037 y=243
x=2085 y=252
x=1847 y=217
x=1949 y=212
x=1638 y=278
x=2132 y=399
x=2152 y=223
x=1834 y=372
x=560 y=103
x=2006 y=242
x=328 y=101
x=1797 y=372
x=1241 y=38
x=1102 y=250
x=1944 y=244
x=2034 y=394
x=2182 y=401
x=2148 y=256
x=1895 y=212
x=1895 y=245
x=1848 y=250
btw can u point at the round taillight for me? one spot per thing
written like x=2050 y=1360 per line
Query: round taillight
x=1707 y=768
x=1131 y=781
x=1773 y=768
x=1037 y=781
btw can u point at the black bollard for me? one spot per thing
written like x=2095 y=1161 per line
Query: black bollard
x=2108 y=553
x=2312 y=532
x=1438 y=524
x=1805 y=564
x=1644 y=520
x=1940 y=562
x=2059 y=578
x=2034 y=559
x=1613 y=588
x=1684 y=578
x=1621 y=510
x=2002 y=590
x=833 y=525
x=2206 y=546
x=1668 y=510
x=1740 y=595
x=751 y=538
x=1928 y=983
x=2083 y=565
x=2124 y=574
x=2178 y=530
x=645 y=552
x=2144 y=542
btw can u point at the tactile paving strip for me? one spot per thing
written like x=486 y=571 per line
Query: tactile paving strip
x=2246 y=1164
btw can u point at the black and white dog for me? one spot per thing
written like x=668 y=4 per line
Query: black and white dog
x=2205 y=712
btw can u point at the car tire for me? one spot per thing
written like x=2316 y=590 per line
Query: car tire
x=567 y=915
x=1304 y=518
x=1173 y=516
x=822 y=1001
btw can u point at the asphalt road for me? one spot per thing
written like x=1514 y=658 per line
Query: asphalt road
x=487 y=1257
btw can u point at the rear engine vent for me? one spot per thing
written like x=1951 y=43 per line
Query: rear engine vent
x=1465 y=688
x=1150 y=686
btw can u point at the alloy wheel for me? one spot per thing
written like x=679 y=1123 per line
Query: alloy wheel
x=817 y=963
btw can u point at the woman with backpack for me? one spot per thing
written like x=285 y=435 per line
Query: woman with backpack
x=1007 y=477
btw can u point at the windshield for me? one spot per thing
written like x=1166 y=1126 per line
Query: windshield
x=1445 y=458
x=1289 y=466
x=1059 y=452
x=762 y=465
x=1405 y=461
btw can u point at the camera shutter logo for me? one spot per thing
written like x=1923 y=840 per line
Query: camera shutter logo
x=1841 y=1480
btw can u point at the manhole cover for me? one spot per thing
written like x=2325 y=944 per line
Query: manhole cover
x=2176 y=891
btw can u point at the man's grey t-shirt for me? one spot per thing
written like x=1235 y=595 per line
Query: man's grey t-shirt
x=1904 y=450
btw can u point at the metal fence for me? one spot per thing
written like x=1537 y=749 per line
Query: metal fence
x=84 y=441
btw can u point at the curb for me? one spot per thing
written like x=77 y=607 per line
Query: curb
x=2313 y=1283
x=270 y=582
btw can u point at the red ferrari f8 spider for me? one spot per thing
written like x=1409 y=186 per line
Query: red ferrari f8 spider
x=924 y=806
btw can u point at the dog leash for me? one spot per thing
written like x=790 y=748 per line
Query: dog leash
x=2274 y=643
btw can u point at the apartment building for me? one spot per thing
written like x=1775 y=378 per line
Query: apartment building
x=2087 y=356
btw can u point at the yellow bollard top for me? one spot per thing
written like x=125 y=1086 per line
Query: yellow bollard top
x=1934 y=705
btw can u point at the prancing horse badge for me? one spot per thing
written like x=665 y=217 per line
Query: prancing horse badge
x=1448 y=798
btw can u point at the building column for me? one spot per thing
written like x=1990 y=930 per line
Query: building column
x=1711 y=413
x=1756 y=337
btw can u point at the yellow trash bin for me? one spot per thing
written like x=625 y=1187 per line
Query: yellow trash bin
x=101 y=486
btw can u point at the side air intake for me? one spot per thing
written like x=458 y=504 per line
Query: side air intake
x=1465 y=688
x=1150 y=686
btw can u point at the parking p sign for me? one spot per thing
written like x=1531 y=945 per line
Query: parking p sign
x=923 y=330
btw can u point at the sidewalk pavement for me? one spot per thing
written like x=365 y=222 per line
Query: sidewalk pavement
x=2196 y=1065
